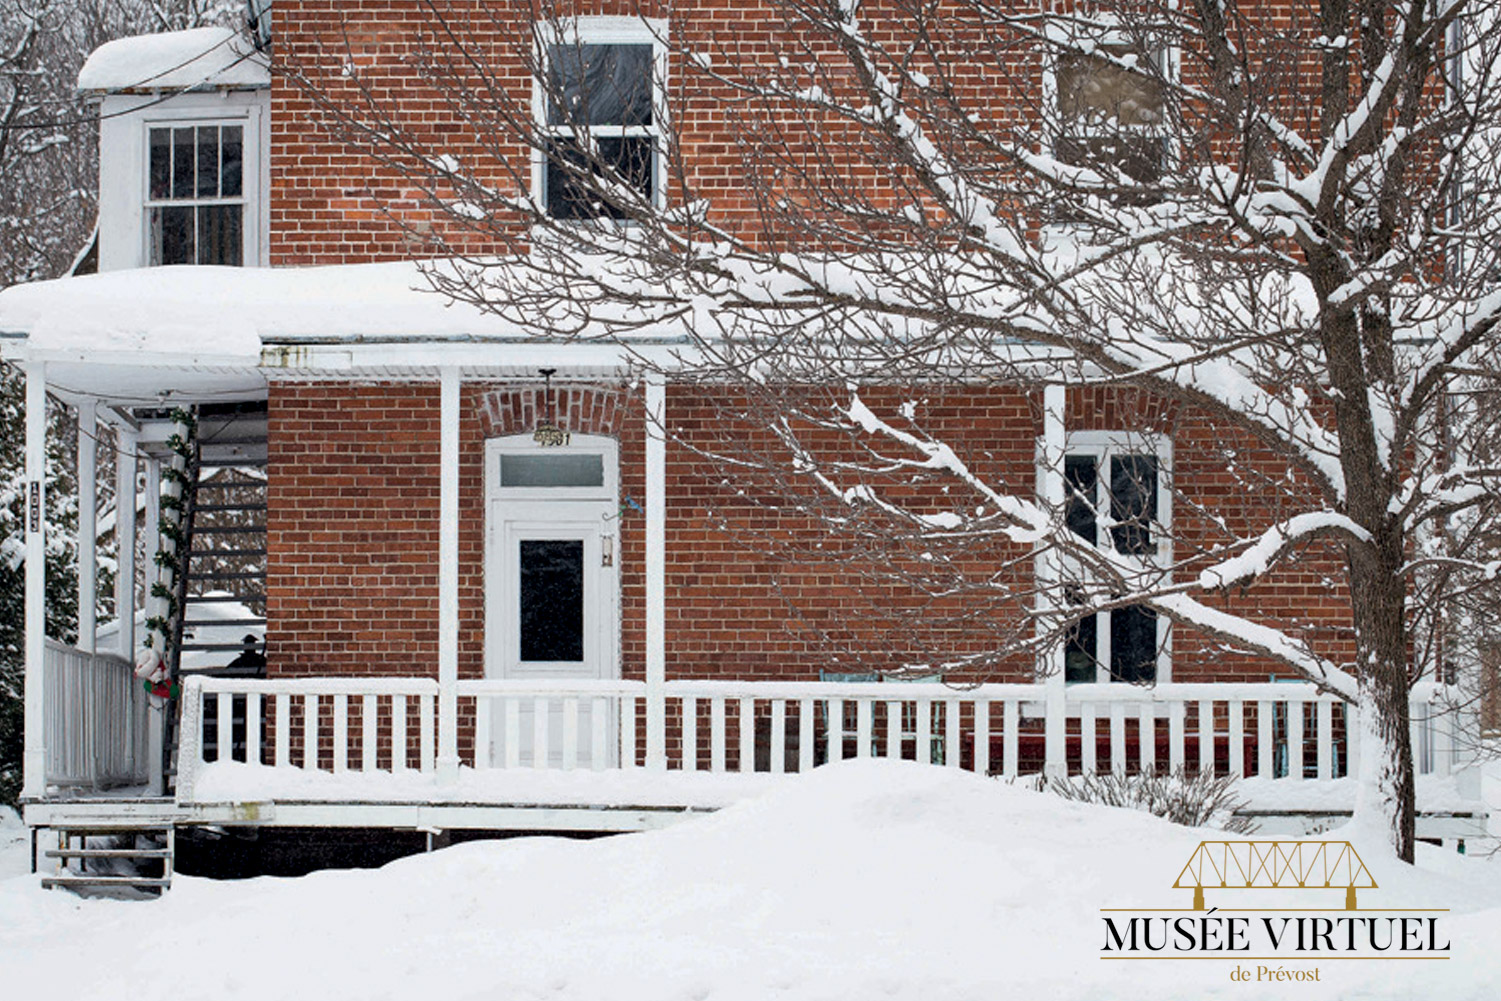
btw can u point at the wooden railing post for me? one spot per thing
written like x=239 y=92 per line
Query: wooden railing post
x=190 y=742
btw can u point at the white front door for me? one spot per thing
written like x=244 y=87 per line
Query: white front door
x=552 y=594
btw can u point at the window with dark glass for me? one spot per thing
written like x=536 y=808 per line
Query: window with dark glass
x=196 y=194
x=1130 y=498
x=602 y=129
x=552 y=600
x=1112 y=116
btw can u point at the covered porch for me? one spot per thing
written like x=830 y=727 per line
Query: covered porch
x=439 y=751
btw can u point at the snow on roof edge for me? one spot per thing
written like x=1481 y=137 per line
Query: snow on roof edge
x=199 y=58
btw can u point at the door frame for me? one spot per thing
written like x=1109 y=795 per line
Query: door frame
x=534 y=507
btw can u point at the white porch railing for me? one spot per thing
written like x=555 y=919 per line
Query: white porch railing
x=389 y=725
x=96 y=721
x=334 y=725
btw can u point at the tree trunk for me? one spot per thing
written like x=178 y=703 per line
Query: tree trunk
x=1385 y=799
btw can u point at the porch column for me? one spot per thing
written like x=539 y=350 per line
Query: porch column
x=155 y=781
x=1050 y=661
x=448 y=576
x=88 y=530
x=151 y=529
x=126 y=440
x=34 y=752
x=656 y=573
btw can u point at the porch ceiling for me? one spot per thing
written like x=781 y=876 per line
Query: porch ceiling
x=151 y=381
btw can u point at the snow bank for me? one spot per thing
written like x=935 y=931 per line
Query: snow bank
x=230 y=311
x=15 y=844
x=867 y=879
x=175 y=60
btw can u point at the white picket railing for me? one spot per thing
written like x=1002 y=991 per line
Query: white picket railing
x=389 y=725
x=334 y=725
x=97 y=719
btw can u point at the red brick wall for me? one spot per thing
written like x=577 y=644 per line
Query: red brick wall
x=754 y=588
x=393 y=68
x=352 y=522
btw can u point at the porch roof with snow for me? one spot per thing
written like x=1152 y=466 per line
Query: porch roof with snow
x=221 y=330
x=198 y=59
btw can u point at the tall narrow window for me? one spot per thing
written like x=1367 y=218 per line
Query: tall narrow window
x=1114 y=494
x=601 y=122
x=196 y=198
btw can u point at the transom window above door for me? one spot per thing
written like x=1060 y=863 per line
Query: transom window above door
x=518 y=469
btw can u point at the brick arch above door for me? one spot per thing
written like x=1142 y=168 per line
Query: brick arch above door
x=581 y=409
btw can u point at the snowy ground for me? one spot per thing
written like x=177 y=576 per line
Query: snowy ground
x=865 y=880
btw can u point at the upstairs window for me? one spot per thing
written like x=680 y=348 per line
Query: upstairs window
x=1117 y=495
x=601 y=123
x=195 y=204
x=1112 y=110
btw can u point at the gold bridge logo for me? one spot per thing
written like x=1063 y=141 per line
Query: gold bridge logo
x=1275 y=865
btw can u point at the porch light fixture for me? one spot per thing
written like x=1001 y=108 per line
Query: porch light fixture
x=548 y=434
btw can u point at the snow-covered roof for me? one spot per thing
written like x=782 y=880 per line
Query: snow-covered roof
x=230 y=312
x=185 y=331
x=175 y=60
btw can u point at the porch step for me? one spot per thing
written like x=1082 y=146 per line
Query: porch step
x=84 y=882
x=144 y=862
x=108 y=853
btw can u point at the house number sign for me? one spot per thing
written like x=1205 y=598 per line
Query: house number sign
x=34 y=506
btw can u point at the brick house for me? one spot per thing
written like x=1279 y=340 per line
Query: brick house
x=489 y=598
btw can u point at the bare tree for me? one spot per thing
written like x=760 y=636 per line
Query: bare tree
x=1276 y=217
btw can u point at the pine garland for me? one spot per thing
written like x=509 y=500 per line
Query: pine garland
x=162 y=607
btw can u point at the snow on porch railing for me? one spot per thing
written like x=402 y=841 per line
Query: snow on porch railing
x=96 y=721
x=334 y=725
x=388 y=724
x=794 y=726
x=743 y=726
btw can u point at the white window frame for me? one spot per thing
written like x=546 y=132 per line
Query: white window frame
x=1102 y=446
x=578 y=444
x=1169 y=64
x=603 y=30
x=249 y=199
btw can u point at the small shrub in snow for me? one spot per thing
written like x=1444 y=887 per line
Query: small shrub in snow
x=1197 y=800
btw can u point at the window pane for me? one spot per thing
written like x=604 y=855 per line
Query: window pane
x=182 y=163
x=599 y=85
x=1139 y=157
x=565 y=470
x=231 y=143
x=1133 y=502
x=1133 y=644
x=161 y=163
x=1095 y=90
x=1080 y=663
x=552 y=600
x=208 y=161
x=172 y=234
x=1080 y=477
x=220 y=240
x=623 y=160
